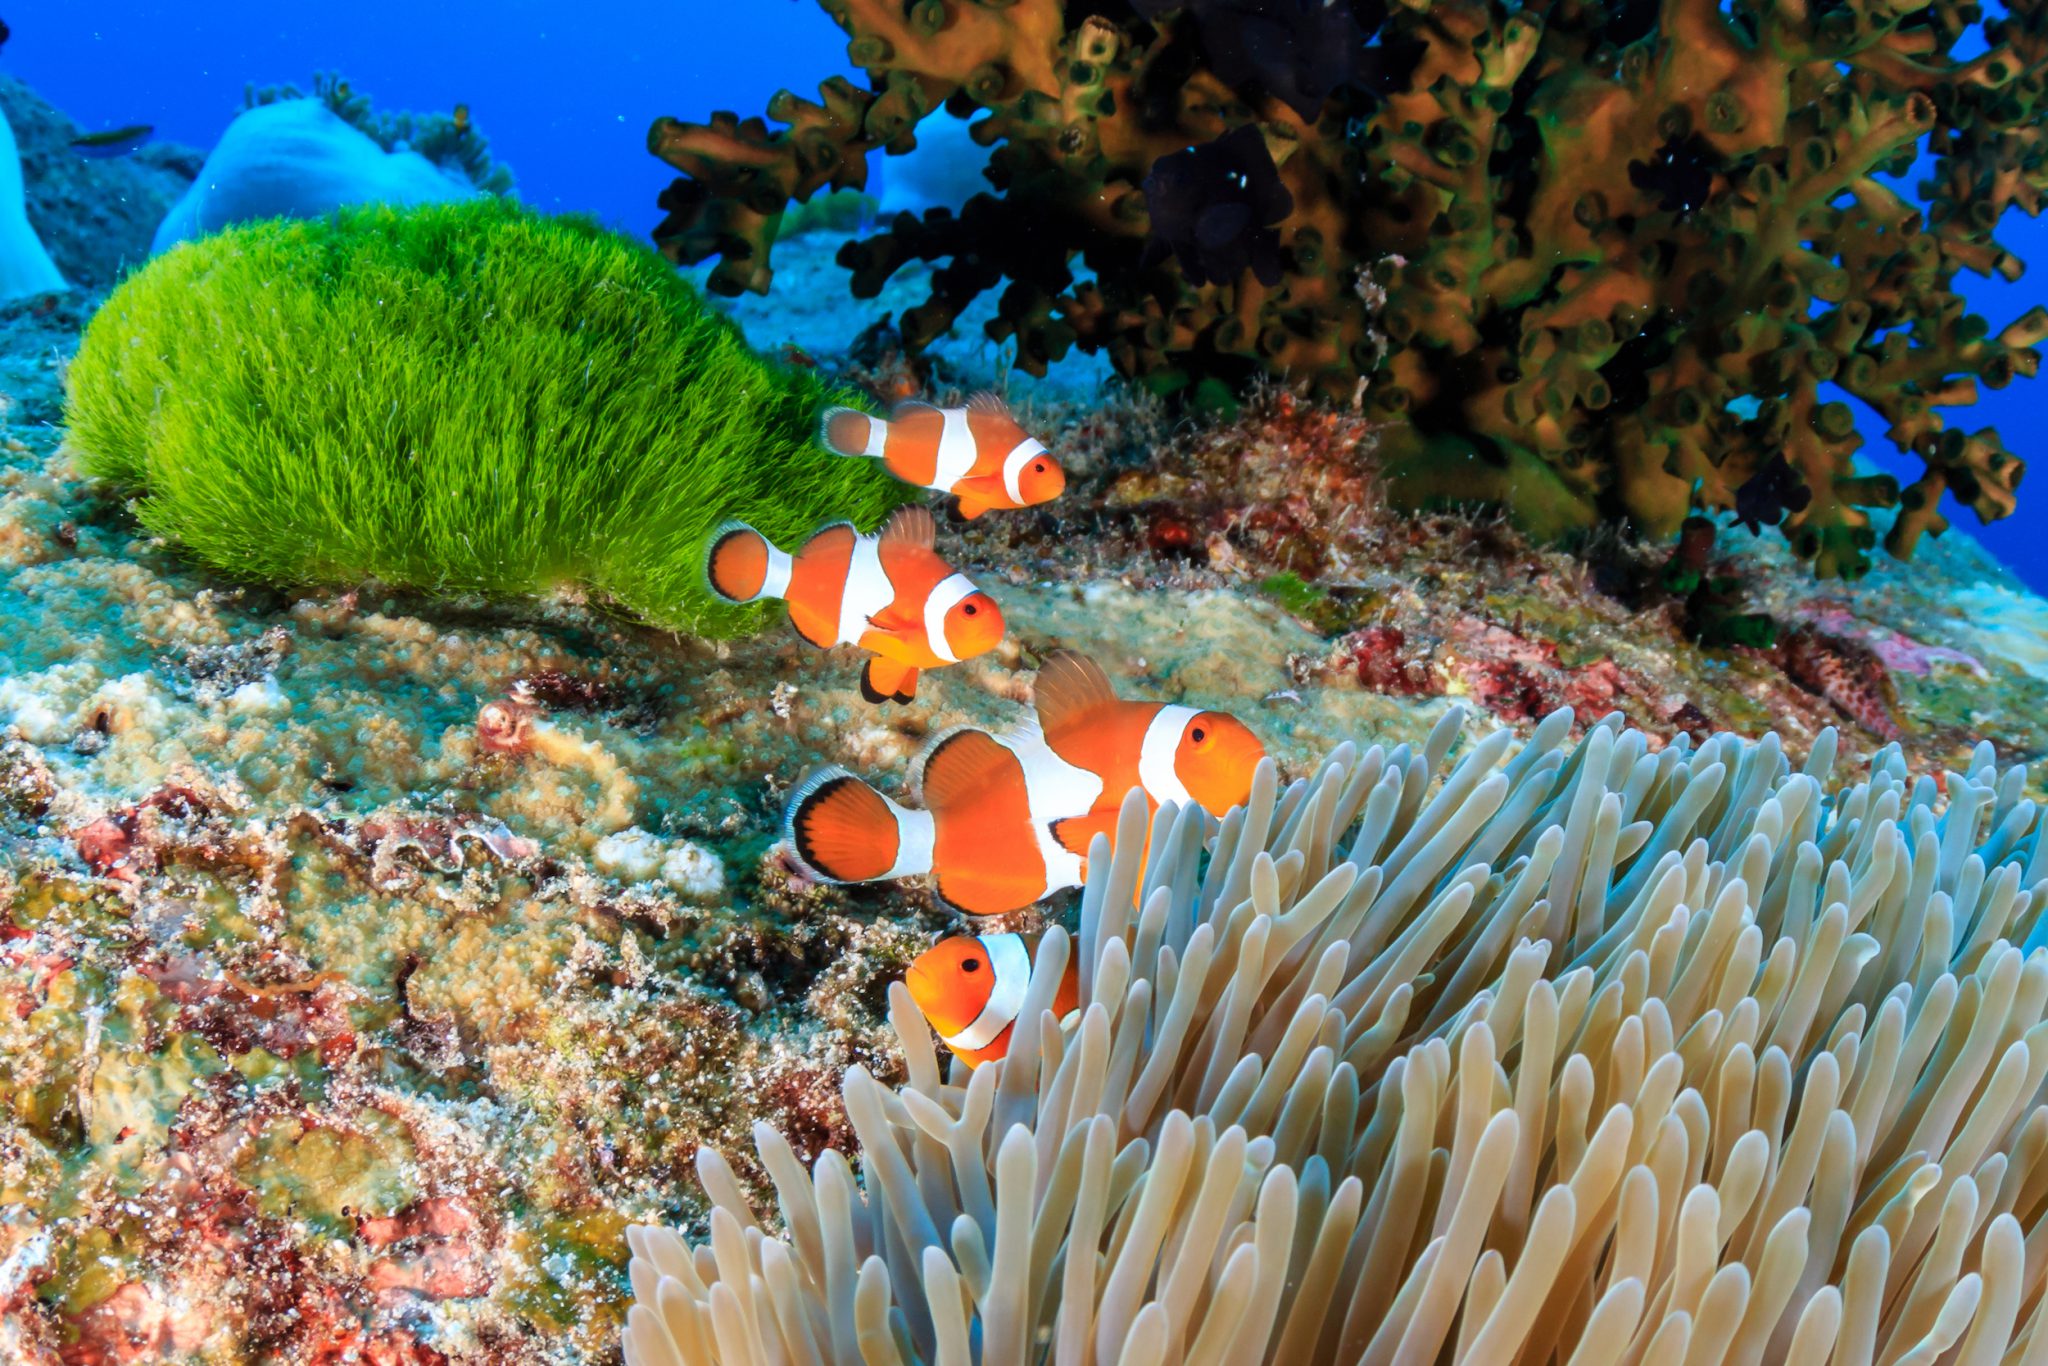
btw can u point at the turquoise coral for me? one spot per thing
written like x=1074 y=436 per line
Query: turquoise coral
x=1596 y=227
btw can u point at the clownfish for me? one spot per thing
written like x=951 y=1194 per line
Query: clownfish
x=890 y=594
x=978 y=453
x=1176 y=753
x=971 y=988
x=1007 y=819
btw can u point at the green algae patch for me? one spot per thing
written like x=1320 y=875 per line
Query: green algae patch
x=460 y=398
x=87 y=1272
x=332 y=1177
x=576 y=1268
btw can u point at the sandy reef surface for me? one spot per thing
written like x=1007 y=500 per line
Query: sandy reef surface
x=369 y=961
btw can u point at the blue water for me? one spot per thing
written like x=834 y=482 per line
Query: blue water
x=565 y=95
x=564 y=92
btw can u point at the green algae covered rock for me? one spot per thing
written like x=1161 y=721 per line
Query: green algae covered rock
x=458 y=398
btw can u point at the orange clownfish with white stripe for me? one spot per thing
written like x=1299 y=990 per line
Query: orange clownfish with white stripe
x=971 y=988
x=1008 y=819
x=890 y=594
x=978 y=453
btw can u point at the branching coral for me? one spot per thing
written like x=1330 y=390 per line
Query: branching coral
x=1598 y=1054
x=462 y=397
x=1596 y=226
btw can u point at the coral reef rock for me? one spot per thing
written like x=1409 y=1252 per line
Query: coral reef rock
x=371 y=959
x=96 y=216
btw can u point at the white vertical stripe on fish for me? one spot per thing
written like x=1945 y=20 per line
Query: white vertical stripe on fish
x=956 y=449
x=775 y=582
x=867 y=590
x=1155 y=758
x=1053 y=791
x=1028 y=450
x=915 y=837
x=942 y=599
x=878 y=437
x=1009 y=966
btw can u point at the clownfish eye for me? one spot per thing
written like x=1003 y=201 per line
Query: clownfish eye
x=971 y=965
x=972 y=609
x=1198 y=735
x=1039 y=468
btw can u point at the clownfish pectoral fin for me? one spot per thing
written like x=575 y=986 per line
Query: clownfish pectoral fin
x=894 y=621
x=1076 y=833
x=971 y=508
x=983 y=490
x=884 y=680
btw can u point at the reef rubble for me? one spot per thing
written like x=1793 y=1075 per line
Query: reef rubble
x=370 y=960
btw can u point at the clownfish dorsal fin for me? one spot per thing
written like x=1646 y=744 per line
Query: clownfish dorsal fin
x=909 y=407
x=1070 y=688
x=911 y=525
x=992 y=404
x=957 y=765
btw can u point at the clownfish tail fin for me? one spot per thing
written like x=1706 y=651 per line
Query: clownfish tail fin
x=742 y=565
x=849 y=431
x=840 y=829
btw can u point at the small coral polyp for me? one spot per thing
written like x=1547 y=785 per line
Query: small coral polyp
x=458 y=398
x=1622 y=256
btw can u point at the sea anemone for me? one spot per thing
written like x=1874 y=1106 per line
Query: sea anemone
x=1590 y=1055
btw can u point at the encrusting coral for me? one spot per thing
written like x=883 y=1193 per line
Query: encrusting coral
x=1621 y=251
x=458 y=397
x=1595 y=1054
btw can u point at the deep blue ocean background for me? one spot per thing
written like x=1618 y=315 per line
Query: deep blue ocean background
x=565 y=94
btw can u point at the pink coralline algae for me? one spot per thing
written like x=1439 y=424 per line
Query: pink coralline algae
x=43 y=964
x=1521 y=678
x=131 y=840
x=1380 y=657
x=136 y=1324
x=432 y=1252
x=1897 y=651
x=237 y=1017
